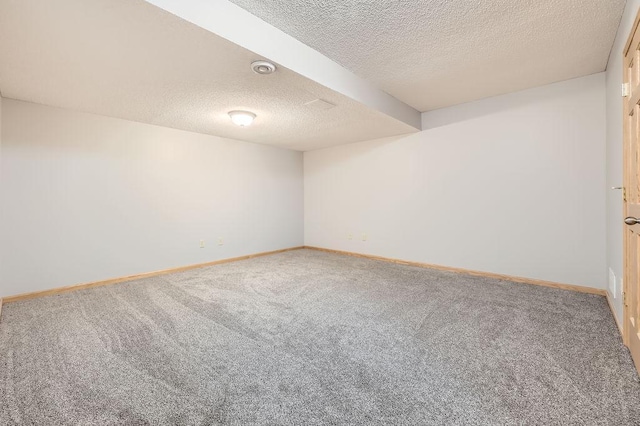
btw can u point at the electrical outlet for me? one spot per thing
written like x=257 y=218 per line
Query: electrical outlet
x=349 y=236
x=220 y=241
x=615 y=296
x=612 y=281
x=364 y=236
x=201 y=243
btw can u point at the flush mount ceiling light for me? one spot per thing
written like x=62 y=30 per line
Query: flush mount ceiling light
x=242 y=118
x=263 y=67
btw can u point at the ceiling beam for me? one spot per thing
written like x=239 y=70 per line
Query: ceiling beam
x=235 y=24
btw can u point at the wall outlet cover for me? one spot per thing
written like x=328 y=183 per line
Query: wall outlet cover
x=612 y=282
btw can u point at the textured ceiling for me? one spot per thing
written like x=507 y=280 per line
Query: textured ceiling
x=132 y=60
x=436 y=53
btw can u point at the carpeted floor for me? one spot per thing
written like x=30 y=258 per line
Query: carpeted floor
x=309 y=338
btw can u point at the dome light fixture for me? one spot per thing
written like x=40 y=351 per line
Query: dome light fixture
x=242 y=118
x=263 y=67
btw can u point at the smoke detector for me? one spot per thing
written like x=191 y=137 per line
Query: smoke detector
x=263 y=67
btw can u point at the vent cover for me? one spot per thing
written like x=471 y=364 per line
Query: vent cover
x=319 y=105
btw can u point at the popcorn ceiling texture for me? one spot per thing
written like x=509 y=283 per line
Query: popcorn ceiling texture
x=436 y=53
x=132 y=60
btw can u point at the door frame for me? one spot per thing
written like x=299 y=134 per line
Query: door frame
x=626 y=179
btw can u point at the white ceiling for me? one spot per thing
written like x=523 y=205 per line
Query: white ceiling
x=132 y=60
x=186 y=69
x=436 y=53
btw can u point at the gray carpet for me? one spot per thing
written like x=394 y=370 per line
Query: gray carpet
x=309 y=338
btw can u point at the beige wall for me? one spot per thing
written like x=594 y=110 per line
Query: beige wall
x=87 y=198
x=513 y=184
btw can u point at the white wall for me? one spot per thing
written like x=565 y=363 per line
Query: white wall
x=88 y=198
x=1 y=182
x=513 y=184
x=614 y=154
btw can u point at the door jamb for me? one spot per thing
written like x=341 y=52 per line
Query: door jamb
x=626 y=181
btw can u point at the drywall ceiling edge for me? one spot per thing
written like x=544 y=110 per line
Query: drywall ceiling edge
x=613 y=44
x=244 y=29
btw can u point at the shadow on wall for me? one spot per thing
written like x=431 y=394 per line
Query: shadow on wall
x=489 y=106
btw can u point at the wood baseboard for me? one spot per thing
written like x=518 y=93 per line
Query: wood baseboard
x=522 y=280
x=59 y=290
x=613 y=312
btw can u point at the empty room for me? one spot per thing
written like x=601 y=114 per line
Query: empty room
x=336 y=212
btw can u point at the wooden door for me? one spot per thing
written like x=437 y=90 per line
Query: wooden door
x=631 y=107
